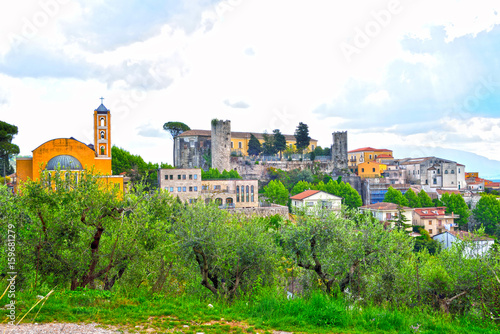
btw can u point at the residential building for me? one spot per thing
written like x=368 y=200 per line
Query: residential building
x=434 y=172
x=434 y=220
x=394 y=174
x=476 y=246
x=314 y=200
x=386 y=213
x=371 y=169
x=360 y=155
x=186 y=183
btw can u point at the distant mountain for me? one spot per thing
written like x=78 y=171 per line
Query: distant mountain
x=487 y=168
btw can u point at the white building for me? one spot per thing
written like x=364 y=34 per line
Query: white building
x=387 y=212
x=315 y=200
x=475 y=245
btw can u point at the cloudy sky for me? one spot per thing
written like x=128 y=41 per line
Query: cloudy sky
x=412 y=76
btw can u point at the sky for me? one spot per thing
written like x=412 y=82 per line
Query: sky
x=411 y=76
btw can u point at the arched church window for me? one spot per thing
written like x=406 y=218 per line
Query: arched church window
x=102 y=121
x=102 y=134
x=102 y=150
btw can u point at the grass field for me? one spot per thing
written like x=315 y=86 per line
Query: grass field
x=143 y=312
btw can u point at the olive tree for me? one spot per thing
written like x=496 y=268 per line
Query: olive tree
x=228 y=252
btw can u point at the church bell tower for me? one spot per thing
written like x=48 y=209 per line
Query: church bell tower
x=102 y=132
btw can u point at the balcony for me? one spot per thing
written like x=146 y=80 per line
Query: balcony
x=352 y=160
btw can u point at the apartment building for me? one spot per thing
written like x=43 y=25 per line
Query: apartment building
x=186 y=183
x=434 y=220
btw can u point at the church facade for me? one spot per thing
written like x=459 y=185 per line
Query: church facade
x=74 y=155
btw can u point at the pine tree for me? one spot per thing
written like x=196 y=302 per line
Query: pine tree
x=254 y=146
x=302 y=137
x=279 y=141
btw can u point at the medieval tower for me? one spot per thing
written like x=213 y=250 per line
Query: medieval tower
x=221 y=144
x=339 y=150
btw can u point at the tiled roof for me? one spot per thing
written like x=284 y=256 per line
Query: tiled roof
x=102 y=109
x=384 y=156
x=304 y=194
x=369 y=149
x=383 y=206
x=234 y=134
x=431 y=212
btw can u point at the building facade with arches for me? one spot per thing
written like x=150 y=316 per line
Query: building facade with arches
x=74 y=155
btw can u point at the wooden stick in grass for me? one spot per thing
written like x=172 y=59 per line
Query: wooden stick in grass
x=46 y=297
x=38 y=302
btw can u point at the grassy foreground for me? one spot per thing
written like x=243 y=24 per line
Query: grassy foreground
x=146 y=313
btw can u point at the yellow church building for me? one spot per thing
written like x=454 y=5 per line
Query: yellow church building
x=74 y=155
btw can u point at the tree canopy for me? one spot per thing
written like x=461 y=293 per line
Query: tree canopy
x=425 y=199
x=395 y=196
x=276 y=192
x=455 y=203
x=7 y=133
x=302 y=137
x=214 y=174
x=413 y=199
x=254 y=146
x=487 y=212
x=175 y=128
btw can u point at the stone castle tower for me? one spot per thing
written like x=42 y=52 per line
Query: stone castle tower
x=339 y=150
x=221 y=144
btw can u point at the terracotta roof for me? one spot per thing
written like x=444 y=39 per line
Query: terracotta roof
x=234 y=134
x=431 y=212
x=304 y=194
x=383 y=206
x=384 y=156
x=494 y=184
x=369 y=149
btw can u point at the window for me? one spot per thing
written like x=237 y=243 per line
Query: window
x=166 y=177
x=459 y=171
x=232 y=145
x=178 y=189
x=239 y=144
x=102 y=121
x=243 y=193
x=430 y=231
x=362 y=170
x=102 y=134
x=291 y=146
x=190 y=188
x=312 y=147
x=446 y=171
x=237 y=193
x=184 y=189
x=184 y=176
x=373 y=170
x=370 y=156
x=204 y=187
x=179 y=177
x=439 y=170
x=190 y=176
x=248 y=194
x=217 y=187
x=190 y=201
x=171 y=189
x=171 y=177
x=191 y=143
x=434 y=181
x=430 y=222
x=196 y=176
x=310 y=203
x=253 y=200
x=102 y=150
x=195 y=188
x=452 y=171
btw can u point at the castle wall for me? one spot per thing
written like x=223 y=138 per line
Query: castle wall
x=190 y=152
